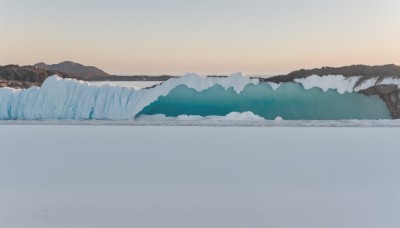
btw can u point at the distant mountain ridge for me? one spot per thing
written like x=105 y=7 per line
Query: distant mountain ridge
x=25 y=76
x=73 y=68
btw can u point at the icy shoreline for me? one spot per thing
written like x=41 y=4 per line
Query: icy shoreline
x=207 y=122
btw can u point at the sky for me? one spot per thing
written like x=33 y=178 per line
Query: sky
x=208 y=37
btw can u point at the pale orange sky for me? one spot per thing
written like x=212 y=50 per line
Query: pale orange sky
x=208 y=37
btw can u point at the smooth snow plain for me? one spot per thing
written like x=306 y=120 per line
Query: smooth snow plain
x=175 y=176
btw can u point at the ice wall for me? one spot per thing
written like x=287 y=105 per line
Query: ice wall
x=71 y=99
x=290 y=101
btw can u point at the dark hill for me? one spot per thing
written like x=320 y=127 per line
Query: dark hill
x=74 y=68
x=26 y=76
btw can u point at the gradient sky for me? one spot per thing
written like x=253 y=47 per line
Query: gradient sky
x=208 y=36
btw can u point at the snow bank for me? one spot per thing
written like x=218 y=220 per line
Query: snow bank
x=243 y=116
x=378 y=81
x=337 y=82
x=344 y=84
x=72 y=99
x=233 y=116
x=236 y=81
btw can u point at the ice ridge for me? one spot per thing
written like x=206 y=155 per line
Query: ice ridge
x=61 y=98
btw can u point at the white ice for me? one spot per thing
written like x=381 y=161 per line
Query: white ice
x=338 y=82
x=274 y=85
x=231 y=117
x=344 y=84
x=71 y=99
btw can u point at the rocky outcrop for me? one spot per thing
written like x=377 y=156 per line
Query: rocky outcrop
x=17 y=84
x=76 y=69
x=26 y=76
x=390 y=94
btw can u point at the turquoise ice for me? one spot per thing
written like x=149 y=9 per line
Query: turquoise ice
x=290 y=101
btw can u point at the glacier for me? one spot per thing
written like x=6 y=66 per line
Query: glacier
x=314 y=97
x=61 y=98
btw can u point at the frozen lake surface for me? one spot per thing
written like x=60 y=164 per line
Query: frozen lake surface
x=194 y=176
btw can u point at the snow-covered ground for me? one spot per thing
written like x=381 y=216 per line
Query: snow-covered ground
x=163 y=176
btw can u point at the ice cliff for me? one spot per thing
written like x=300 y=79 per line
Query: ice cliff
x=61 y=98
